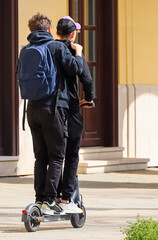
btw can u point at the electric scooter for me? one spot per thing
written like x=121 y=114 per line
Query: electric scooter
x=32 y=215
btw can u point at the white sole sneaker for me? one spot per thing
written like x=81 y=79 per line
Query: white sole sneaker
x=70 y=208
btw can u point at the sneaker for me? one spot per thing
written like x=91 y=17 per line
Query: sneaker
x=52 y=208
x=39 y=204
x=70 y=207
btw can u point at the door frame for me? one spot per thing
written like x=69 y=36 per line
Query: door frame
x=107 y=33
x=9 y=103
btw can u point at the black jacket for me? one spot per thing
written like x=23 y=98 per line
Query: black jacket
x=64 y=62
x=85 y=78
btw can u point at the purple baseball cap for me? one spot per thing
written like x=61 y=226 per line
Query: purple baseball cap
x=78 y=26
x=67 y=25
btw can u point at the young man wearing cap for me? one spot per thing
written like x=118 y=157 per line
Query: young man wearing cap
x=47 y=117
x=66 y=31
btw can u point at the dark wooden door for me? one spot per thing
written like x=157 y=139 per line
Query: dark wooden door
x=98 y=36
x=9 y=105
x=86 y=13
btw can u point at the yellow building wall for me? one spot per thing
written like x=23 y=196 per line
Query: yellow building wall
x=138 y=41
x=52 y=8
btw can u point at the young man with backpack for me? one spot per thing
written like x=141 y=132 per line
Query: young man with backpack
x=42 y=69
x=66 y=31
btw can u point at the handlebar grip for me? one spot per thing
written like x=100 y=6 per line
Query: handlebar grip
x=92 y=104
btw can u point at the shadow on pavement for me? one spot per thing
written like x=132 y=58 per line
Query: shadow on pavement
x=85 y=184
x=22 y=230
x=93 y=184
x=148 y=171
x=17 y=180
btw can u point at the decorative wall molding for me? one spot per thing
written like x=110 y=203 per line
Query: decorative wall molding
x=138 y=121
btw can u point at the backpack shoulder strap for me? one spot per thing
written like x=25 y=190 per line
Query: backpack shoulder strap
x=24 y=115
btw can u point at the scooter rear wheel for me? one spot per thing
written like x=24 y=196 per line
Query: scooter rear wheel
x=78 y=220
x=32 y=225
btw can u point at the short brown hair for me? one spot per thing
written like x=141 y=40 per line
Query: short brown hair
x=39 y=22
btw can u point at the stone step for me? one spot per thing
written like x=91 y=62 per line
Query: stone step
x=100 y=153
x=8 y=165
x=8 y=158
x=112 y=165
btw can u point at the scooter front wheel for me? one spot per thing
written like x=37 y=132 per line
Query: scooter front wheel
x=78 y=220
x=32 y=224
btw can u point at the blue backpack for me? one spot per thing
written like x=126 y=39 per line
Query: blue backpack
x=36 y=72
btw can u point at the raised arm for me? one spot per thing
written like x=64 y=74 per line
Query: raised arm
x=73 y=65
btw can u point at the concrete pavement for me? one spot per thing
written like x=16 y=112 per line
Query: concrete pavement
x=111 y=199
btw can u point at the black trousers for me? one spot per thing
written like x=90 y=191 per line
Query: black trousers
x=75 y=129
x=49 y=134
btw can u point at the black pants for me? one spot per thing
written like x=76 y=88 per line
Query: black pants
x=49 y=132
x=75 y=128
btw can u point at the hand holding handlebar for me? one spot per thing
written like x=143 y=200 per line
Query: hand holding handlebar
x=86 y=104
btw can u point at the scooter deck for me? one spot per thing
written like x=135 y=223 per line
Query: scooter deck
x=54 y=217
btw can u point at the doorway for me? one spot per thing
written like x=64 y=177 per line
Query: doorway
x=99 y=39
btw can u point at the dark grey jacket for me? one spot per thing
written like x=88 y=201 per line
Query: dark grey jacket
x=85 y=78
